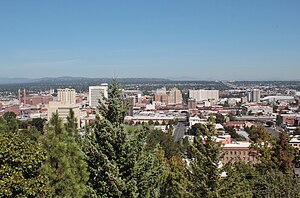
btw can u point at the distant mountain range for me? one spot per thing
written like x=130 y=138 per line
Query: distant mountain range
x=15 y=80
x=74 y=79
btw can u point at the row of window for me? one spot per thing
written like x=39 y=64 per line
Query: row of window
x=237 y=152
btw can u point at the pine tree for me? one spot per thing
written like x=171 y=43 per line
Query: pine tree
x=120 y=166
x=149 y=168
x=204 y=171
x=237 y=183
x=176 y=182
x=106 y=150
x=65 y=166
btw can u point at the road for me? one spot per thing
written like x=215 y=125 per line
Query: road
x=179 y=131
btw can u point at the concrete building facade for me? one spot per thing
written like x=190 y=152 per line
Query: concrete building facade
x=175 y=96
x=66 y=96
x=204 y=95
x=97 y=93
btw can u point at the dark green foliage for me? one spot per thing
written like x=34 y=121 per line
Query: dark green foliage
x=11 y=122
x=65 y=166
x=20 y=162
x=166 y=142
x=255 y=181
x=196 y=128
x=109 y=150
x=204 y=171
x=274 y=183
x=176 y=182
x=3 y=125
x=121 y=166
x=232 y=132
x=238 y=181
x=38 y=123
x=112 y=108
x=149 y=173
x=220 y=118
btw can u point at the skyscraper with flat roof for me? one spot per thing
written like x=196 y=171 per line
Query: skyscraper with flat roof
x=97 y=93
x=66 y=96
x=204 y=95
x=255 y=95
x=175 y=96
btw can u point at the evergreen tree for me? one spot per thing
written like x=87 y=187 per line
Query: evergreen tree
x=38 y=123
x=237 y=183
x=65 y=166
x=204 y=171
x=273 y=183
x=107 y=147
x=120 y=166
x=176 y=182
x=149 y=173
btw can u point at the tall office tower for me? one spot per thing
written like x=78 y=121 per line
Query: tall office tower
x=175 y=96
x=97 y=93
x=255 y=95
x=192 y=104
x=66 y=96
x=203 y=95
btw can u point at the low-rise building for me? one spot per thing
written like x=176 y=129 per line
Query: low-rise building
x=238 y=151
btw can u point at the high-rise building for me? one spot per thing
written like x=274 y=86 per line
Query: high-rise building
x=161 y=95
x=204 y=95
x=66 y=96
x=175 y=96
x=255 y=95
x=97 y=93
x=162 y=91
x=192 y=104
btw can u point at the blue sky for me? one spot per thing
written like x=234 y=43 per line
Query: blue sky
x=206 y=40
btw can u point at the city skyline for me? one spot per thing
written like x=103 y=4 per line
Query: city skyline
x=172 y=39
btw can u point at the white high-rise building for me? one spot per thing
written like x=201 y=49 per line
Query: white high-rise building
x=66 y=96
x=204 y=95
x=97 y=93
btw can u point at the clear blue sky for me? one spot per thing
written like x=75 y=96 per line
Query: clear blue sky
x=208 y=40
